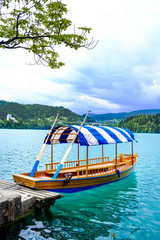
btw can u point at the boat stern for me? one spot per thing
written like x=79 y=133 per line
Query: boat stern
x=23 y=179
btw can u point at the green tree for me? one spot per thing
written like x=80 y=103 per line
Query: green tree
x=39 y=26
x=142 y=123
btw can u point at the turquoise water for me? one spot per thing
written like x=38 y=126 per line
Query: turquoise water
x=129 y=208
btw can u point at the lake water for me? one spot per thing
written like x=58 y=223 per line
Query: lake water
x=129 y=208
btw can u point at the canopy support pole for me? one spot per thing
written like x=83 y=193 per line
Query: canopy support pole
x=116 y=155
x=42 y=150
x=132 y=153
x=102 y=154
x=68 y=150
x=87 y=161
x=78 y=153
x=51 y=154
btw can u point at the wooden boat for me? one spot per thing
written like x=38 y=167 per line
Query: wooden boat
x=78 y=175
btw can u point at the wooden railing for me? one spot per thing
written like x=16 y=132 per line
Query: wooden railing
x=122 y=159
x=73 y=164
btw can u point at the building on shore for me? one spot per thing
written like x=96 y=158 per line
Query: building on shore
x=9 y=116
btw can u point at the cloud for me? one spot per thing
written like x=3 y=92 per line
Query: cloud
x=120 y=74
x=152 y=90
x=84 y=103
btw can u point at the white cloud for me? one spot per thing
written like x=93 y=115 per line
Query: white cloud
x=83 y=103
x=118 y=75
x=153 y=90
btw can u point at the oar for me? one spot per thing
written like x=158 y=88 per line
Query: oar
x=42 y=150
x=68 y=150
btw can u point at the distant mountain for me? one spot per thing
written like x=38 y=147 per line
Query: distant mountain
x=122 y=115
x=35 y=115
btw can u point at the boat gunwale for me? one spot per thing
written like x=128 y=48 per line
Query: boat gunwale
x=72 y=179
x=89 y=177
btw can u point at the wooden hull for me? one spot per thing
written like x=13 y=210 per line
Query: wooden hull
x=74 y=184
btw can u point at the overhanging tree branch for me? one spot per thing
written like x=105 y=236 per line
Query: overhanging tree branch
x=39 y=26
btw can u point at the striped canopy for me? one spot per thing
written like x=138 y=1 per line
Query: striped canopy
x=90 y=135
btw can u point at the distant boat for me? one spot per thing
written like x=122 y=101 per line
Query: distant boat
x=79 y=175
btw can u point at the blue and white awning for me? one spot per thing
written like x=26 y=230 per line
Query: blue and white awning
x=90 y=135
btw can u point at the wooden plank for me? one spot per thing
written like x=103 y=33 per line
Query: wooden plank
x=39 y=194
x=8 y=185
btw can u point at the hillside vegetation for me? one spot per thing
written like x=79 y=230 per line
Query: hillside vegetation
x=122 y=115
x=35 y=115
x=142 y=123
x=38 y=116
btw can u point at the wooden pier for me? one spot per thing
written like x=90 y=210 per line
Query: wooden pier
x=16 y=201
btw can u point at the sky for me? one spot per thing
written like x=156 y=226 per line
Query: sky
x=121 y=74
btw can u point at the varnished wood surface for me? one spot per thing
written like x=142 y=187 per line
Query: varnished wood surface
x=98 y=174
x=82 y=168
x=49 y=183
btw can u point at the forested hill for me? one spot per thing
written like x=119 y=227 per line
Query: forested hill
x=122 y=115
x=35 y=115
x=33 y=111
x=142 y=123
